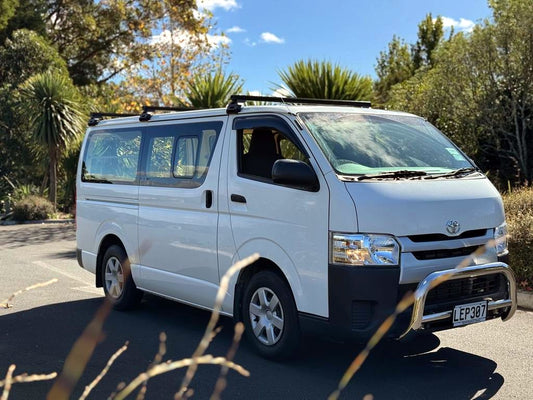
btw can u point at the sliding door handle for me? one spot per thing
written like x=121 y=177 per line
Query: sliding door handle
x=237 y=198
x=208 y=198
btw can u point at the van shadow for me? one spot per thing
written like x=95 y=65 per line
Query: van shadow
x=17 y=236
x=38 y=341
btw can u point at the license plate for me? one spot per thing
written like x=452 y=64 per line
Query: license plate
x=470 y=313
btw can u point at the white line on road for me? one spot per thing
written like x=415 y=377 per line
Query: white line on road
x=88 y=282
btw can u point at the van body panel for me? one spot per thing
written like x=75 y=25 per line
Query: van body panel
x=414 y=207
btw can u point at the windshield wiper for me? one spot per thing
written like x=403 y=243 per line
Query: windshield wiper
x=392 y=175
x=455 y=173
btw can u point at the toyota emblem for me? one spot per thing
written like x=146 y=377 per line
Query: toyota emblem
x=453 y=227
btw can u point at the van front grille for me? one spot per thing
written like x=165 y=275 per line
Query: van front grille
x=437 y=237
x=455 y=291
x=444 y=253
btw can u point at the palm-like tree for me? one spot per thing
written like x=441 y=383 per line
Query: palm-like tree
x=212 y=90
x=54 y=109
x=323 y=80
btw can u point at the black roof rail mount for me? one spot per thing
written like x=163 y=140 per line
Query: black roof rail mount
x=234 y=107
x=96 y=117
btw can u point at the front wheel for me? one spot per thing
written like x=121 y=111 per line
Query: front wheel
x=119 y=287
x=270 y=316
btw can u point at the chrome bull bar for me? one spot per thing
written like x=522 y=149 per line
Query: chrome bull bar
x=418 y=319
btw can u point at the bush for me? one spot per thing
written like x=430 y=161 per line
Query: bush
x=32 y=208
x=519 y=211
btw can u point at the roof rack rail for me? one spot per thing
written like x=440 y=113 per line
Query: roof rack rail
x=234 y=107
x=145 y=116
x=96 y=117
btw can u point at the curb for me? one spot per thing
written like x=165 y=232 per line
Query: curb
x=525 y=299
x=42 y=222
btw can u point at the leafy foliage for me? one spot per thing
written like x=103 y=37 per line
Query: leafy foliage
x=32 y=208
x=7 y=10
x=212 y=90
x=519 y=212
x=323 y=80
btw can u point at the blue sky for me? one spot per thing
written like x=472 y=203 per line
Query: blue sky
x=268 y=35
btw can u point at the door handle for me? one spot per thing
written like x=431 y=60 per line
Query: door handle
x=208 y=198
x=237 y=198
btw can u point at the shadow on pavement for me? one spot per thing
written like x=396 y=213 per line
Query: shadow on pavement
x=15 y=236
x=38 y=340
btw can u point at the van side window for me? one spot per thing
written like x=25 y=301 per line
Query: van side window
x=260 y=147
x=178 y=155
x=112 y=156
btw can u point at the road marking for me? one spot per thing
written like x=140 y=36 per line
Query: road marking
x=90 y=289
x=62 y=272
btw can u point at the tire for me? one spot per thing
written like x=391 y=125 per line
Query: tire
x=117 y=281
x=270 y=316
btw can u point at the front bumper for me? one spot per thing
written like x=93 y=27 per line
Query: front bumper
x=504 y=307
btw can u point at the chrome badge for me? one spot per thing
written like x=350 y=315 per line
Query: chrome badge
x=453 y=227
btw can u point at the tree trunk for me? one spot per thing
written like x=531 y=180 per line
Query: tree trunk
x=52 y=195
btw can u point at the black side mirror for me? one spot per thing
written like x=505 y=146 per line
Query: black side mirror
x=296 y=174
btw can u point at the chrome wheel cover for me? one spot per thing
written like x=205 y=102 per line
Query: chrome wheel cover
x=114 y=277
x=266 y=316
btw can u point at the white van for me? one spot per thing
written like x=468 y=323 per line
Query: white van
x=349 y=208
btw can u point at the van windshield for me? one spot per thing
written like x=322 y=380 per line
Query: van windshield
x=363 y=144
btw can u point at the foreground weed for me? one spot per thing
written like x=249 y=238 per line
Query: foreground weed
x=7 y=302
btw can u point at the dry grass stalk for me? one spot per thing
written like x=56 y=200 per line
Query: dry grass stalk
x=79 y=355
x=8 y=382
x=22 y=378
x=171 y=366
x=97 y=380
x=222 y=381
x=6 y=303
x=204 y=343
x=405 y=303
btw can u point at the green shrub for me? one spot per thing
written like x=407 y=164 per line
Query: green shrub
x=519 y=211
x=32 y=208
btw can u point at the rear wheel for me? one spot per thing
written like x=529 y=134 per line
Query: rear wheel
x=118 y=283
x=270 y=316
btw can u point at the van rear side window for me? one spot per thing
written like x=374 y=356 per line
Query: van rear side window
x=112 y=157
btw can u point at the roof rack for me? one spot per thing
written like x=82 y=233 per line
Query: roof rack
x=234 y=107
x=96 y=117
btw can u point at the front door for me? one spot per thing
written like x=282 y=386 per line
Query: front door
x=286 y=225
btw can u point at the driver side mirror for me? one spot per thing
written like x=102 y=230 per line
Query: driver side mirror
x=296 y=174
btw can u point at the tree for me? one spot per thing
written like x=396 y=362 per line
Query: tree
x=212 y=90
x=394 y=66
x=101 y=39
x=480 y=91
x=27 y=15
x=323 y=80
x=52 y=105
x=430 y=32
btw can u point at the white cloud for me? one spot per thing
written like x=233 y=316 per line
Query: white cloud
x=184 y=39
x=236 y=29
x=217 y=40
x=463 y=24
x=212 y=4
x=249 y=42
x=268 y=37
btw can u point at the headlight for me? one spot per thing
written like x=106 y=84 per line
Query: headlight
x=364 y=249
x=500 y=237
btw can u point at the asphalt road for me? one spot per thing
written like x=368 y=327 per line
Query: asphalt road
x=482 y=361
